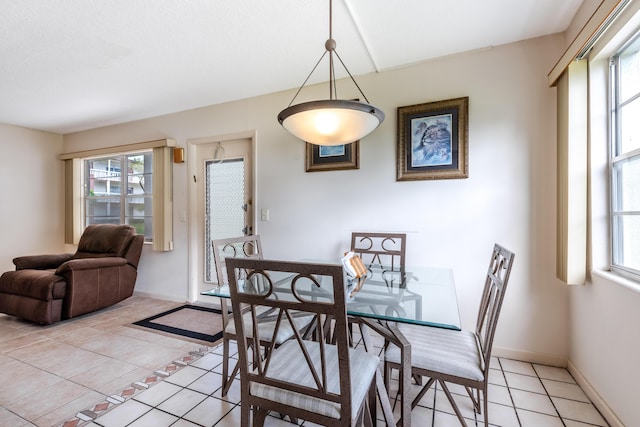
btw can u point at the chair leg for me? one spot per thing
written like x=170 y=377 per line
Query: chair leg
x=366 y=338
x=225 y=366
x=387 y=375
x=227 y=381
x=475 y=399
x=454 y=405
x=372 y=399
x=259 y=416
x=385 y=402
x=245 y=412
x=486 y=405
x=422 y=392
x=417 y=378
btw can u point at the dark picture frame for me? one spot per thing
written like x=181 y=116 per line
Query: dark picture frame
x=331 y=158
x=433 y=140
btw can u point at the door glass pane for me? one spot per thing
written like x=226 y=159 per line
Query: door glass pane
x=224 y=202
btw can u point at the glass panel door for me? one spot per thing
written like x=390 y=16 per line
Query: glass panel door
x=224 y=201
x=225 y=206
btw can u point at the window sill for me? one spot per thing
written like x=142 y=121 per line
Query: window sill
x=615 y=278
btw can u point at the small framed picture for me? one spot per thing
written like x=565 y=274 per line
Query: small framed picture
x=433 y=140
x=332 y=157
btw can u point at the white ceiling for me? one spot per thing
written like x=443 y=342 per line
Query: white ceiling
x=70 y=65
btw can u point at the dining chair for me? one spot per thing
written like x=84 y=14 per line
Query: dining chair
x=244 y=247
x=383 y=252
x=323 y=381
x=382 y=249
x=247 y=247
x=458 y=357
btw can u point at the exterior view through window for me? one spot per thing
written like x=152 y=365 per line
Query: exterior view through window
x=117 y=190
x=625 y=160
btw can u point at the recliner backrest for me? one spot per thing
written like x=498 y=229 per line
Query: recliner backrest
x=104 y=240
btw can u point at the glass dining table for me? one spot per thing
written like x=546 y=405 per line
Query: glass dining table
x=384 y=300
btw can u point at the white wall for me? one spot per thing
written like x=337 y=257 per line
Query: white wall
x=31 y=188
x=604 y=345
x=604 y=315
x=508 y=198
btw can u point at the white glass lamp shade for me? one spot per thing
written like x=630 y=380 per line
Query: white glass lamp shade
x=331 y=122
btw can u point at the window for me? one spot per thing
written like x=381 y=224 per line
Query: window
x=625 y=159
x=95 y=183
x=104 y=201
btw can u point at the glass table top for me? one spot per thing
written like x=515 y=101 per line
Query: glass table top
x=420 y=295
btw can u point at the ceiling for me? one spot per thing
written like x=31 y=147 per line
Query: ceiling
x=72 y=65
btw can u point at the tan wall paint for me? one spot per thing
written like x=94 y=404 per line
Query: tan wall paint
x=31 y=177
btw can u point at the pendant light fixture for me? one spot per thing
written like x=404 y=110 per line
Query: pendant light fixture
x=331 y=121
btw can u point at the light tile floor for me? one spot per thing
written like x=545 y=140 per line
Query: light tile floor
x=97 y=371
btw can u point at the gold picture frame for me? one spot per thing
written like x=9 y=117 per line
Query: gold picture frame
x=433 y=140
x=321 y=158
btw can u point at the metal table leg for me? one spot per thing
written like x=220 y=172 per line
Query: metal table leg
x=390 y=331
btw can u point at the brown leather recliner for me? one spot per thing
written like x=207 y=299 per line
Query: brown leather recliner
x=48 y=288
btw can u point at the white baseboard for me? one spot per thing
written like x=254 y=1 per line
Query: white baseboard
x=156 y=296
x=529 y=356
x=591 y=392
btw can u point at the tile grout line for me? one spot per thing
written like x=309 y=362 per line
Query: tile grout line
x=569 y=399
x=513 y=403
x=114 y=400
x=548 y=395
x=234 y=405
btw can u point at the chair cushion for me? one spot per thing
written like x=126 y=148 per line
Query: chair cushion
x=447 y=351
x=42 y=285
x=265 y=328
x=288 y=364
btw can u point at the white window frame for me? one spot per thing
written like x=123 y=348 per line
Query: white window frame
x=122 y=179
x=162 y=193
x=617 y=157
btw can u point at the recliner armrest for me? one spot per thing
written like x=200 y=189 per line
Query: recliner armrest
x=41 y=262
x=90 y=264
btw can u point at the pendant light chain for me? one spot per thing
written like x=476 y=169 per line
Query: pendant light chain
x=331 y=121
x=305 y=80
x=330 y=45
